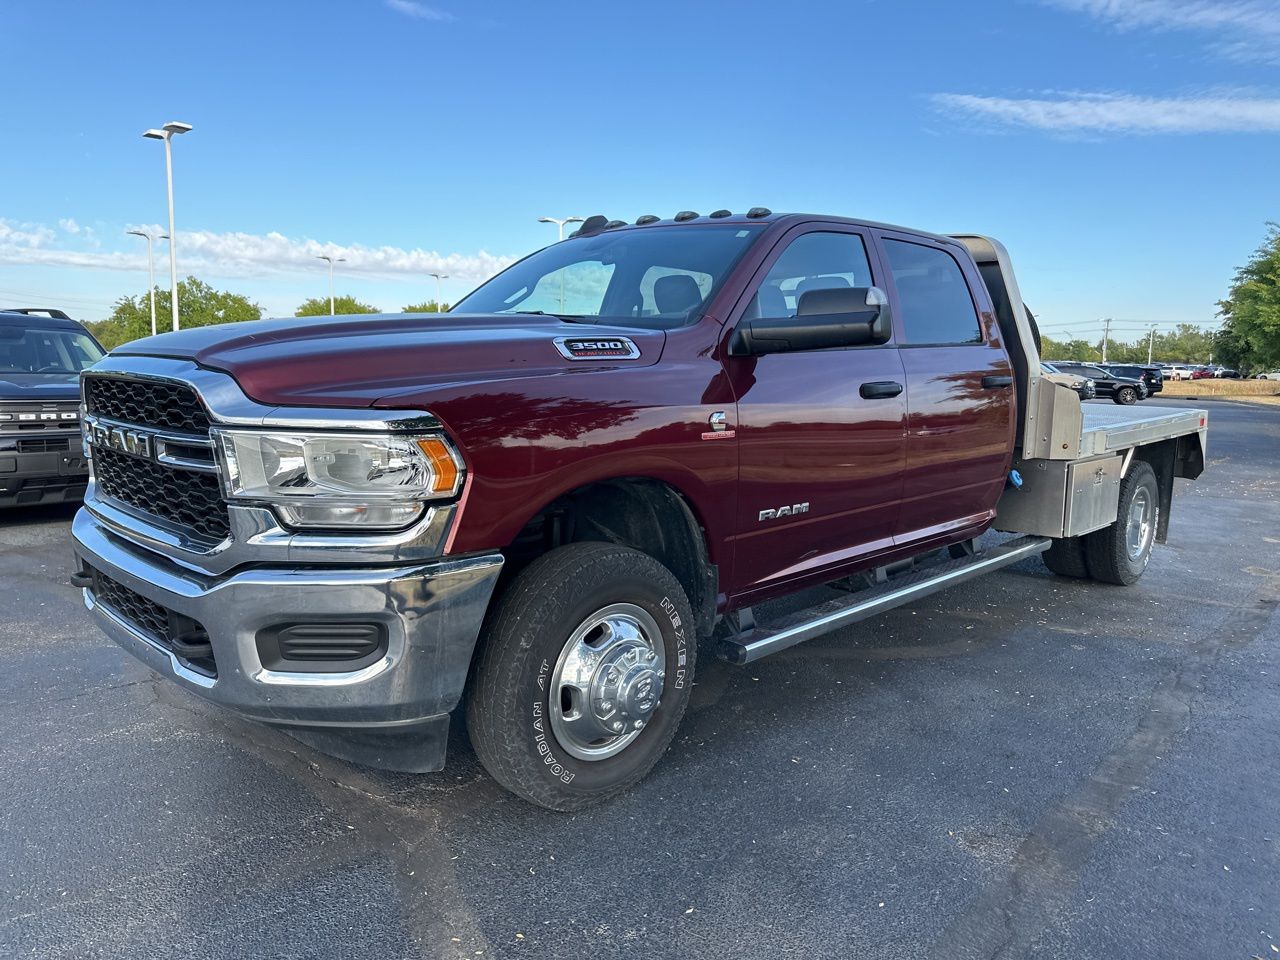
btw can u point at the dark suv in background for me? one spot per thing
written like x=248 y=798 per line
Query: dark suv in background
x=1151 y=375
x=1122 y=390
x=41 y=355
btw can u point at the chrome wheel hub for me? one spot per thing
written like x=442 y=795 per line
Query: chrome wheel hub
x=607 y=682
x=1139 y=525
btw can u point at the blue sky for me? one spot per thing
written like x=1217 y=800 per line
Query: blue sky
x=1124 y=150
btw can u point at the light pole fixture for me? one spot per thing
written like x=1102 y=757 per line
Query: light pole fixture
x=439 y=298
x=560 y=226
x=151 y=269
x=166 y=133
x=560 y=223
x=332 y=261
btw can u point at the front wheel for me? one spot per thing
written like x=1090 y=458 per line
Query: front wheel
x=586 y=669
x=1126 y=396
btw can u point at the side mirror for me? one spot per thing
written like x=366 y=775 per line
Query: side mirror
x=839 y=317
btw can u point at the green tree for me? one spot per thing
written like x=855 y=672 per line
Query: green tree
x=1252 y=307
x=1069 y=350
x=342 y=306
x=427 y=306
x=199 y=305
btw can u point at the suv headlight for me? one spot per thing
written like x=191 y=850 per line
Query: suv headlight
x=339 y=479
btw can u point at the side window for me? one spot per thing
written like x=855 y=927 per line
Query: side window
x=812 y=261
x=935 y=300
x=577 y=288
x=662 y=297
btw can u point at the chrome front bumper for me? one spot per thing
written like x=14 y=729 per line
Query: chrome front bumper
x=432 y=612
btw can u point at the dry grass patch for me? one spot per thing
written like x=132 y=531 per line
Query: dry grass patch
x=1258 y=390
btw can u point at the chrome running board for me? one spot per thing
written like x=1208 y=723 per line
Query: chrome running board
x=762 y=640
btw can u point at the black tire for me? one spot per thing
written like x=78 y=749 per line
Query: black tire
x=509 y=703
x=1065 y=557
x=1126 y=396
x=1107 y=551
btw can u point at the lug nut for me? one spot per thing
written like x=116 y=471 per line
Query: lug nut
x=639 y=724
x=617 y=725
x=652 y=656
x=606 y=705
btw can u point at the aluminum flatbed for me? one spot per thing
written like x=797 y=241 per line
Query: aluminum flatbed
x=1110 y=428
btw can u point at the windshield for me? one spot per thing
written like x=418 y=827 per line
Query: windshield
x=34 y=350
x=656 y=277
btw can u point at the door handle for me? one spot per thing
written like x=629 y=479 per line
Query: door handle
x=995 y=383
x=880 y=389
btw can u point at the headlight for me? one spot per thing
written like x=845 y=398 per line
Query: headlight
x=339 y=480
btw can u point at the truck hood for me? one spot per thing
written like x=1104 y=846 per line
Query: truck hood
x=39 y=386
x=356 y=361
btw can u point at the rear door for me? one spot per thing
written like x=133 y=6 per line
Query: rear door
x=821 y=452
x=960 y=400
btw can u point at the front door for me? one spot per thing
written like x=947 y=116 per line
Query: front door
x=820 y=463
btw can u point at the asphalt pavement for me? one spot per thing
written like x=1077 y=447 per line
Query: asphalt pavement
x=1024 y=766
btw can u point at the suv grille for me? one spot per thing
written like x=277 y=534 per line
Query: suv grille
x=159 y=625
x=189 y=498
x=166 y=406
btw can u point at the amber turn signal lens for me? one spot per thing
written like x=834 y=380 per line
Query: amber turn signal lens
x=443 y=466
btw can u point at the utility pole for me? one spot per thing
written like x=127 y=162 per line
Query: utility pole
x=1106 y=335
x=1151 y=344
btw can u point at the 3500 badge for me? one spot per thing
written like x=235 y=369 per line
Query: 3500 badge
x=603 y=348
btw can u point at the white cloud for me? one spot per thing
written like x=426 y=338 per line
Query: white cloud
x=1243 y=29
x=1122 y=113
x=247 y=255
x=69 y=225
x=420 y=11
x=24 y=235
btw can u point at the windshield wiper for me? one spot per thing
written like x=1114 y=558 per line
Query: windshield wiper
x=571 y=317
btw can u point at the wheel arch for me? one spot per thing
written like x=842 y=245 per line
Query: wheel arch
x=644 y=513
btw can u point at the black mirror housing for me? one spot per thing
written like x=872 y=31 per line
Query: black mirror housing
x=837 y=317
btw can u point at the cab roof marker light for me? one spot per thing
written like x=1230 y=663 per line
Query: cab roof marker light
x=757 y=212
x=684 y=215
x=592 y=225
x=718 y=214
x=646 y=219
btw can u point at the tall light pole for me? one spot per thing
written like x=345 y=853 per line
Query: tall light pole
x=560 y=225
x=439 y=298
x=332 y=261
x=1106 y=336
x=166 y=133
x=1151 y=344
x=151 y=269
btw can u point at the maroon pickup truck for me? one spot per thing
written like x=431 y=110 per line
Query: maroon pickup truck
x=540 y=503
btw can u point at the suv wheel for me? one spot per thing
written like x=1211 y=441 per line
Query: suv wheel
x=585 y=672
x=1120 y=553
x=1126 y=396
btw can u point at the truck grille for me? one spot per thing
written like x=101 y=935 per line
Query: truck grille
x=149 y=403
x=188 y=498
x=158 y=624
